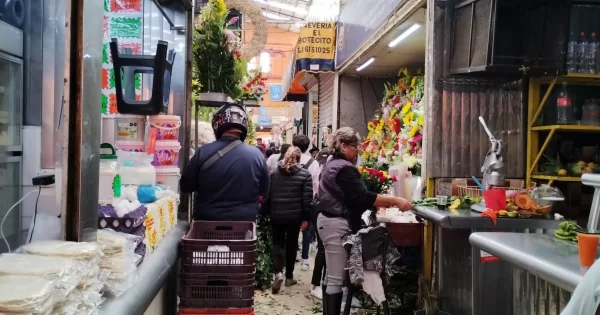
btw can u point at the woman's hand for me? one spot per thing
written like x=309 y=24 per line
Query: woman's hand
x=402 y=204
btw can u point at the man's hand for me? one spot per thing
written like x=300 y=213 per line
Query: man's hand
x=403 y=204
x=303 y=226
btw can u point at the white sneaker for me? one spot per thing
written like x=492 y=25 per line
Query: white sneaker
x=277 y=283
x=317 y=293
x=305 y=265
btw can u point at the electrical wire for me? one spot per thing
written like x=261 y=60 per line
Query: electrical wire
x=35 y=213
x=6 y=215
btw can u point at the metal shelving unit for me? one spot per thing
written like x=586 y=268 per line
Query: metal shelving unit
x=536 y=105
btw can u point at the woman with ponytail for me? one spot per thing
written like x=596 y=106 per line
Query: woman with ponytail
x=289 y=205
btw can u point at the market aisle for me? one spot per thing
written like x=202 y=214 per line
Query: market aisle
x=290 y=301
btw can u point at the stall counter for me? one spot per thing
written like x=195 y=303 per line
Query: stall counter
x=462 y=279
x=153 y=274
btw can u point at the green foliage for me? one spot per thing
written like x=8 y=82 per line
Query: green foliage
x=264 y=259
x=214 y=66
x=251 y=137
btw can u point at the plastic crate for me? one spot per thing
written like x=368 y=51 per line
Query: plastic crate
x=216 y=311
x=200 y=290
x=197 y=259
x=220 y=233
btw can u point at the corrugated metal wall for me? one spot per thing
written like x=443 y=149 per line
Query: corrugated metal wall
x=325 y=100
x=458 y=140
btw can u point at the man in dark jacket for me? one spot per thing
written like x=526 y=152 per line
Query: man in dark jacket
x=228 y=176
x=289 y=204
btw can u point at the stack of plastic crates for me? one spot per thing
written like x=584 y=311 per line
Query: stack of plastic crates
x=217 y=268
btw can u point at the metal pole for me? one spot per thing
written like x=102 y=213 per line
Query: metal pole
x=81 y=115
x=187 y=113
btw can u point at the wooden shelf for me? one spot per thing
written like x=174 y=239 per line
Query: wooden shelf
x=580 y=78
x=557 y=178
x=567 y=128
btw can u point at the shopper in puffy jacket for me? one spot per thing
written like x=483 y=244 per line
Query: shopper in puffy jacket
x=289 y=204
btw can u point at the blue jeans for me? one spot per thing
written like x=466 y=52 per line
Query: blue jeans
x=307 y=238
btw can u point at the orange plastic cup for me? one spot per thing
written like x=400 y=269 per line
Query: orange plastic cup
x=588 y=248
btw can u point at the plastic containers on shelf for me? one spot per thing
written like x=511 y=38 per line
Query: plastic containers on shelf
x=166 y=154
x=167 y=126
x=123 y=128
x=564 y=107
x=136 y=168
x=109 y=185
x=168 y=177
x=130 y=146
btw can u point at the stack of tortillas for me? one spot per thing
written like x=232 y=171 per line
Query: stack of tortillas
x=26 y=294
x=65 y=272
x=119 y=260
x=86 y=294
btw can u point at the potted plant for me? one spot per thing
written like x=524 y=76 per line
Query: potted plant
x=254 y=90
x=217 y=63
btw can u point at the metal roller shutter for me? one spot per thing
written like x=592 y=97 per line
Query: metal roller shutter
x=326 y=99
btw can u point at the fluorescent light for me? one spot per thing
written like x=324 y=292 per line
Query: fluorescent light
x=404 y=35
x=275 y=16
x=282 y=6
x=366 y=64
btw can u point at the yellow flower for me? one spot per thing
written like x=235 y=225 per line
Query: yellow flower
x=220 y=6
x=393 y=113
x=406 y=108
x=406 y=120
x=413 y=131
x=421 y=120
x=410 y=116
x=370 y=126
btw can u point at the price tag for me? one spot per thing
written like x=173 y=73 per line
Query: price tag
x=488 y=258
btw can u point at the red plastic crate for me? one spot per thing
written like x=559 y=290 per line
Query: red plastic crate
x=216 y=311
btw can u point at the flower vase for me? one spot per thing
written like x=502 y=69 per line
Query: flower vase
x=399 y=170
x=214 y=97
x=250 y=102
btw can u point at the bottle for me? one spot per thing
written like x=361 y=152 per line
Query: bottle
x=587 y=116
x=591 y=51
x=564 y=108
x=580 y=49
x=571 y=54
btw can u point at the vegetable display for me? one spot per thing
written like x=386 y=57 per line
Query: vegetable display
x=567 y=231
x=454 y=202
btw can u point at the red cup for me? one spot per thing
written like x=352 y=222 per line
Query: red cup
x=495 y=199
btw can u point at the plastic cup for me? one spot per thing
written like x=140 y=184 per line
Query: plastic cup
x=442 y=201
x=588 y=248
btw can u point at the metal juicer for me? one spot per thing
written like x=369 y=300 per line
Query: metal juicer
x=493 y=161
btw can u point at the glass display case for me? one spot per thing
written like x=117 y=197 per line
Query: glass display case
x=10 y=193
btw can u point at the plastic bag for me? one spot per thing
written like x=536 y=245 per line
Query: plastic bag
x=65 y=272
x=120 y=260
x=136 y=168
x=26 y=294
x=88 y=252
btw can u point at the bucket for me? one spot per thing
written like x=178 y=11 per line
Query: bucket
x=130 y=146
x=168 y=177
x=167 y=125
x=129 y=128
x=166 y=154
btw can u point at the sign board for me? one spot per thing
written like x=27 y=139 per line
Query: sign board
x=264 y=120
x=315 y=50
x=275 y=92
x=359 y=20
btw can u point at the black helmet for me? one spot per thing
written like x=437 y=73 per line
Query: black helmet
x=230 y=116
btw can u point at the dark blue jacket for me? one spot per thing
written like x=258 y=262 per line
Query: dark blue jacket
x=229 y=189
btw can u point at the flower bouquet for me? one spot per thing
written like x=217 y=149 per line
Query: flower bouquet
x=256 y=88
x=377 y=181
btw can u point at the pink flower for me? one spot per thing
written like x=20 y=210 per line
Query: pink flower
x=233 y=20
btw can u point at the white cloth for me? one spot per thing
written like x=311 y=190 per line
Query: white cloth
x=373 y=286
x=272 y=161
x=314 y=169
x=586 y=297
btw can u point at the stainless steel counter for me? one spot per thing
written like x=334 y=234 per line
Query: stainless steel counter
x=553 y=260
x=467 y=219
x=466 y=285
x=152 y=275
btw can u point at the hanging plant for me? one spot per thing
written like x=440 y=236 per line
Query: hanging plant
x=216 y=58
x=259 y=37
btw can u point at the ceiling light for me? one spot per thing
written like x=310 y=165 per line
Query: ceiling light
x=275 y=16
x=282 y=6
x=404 y=35
x=366 y=64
